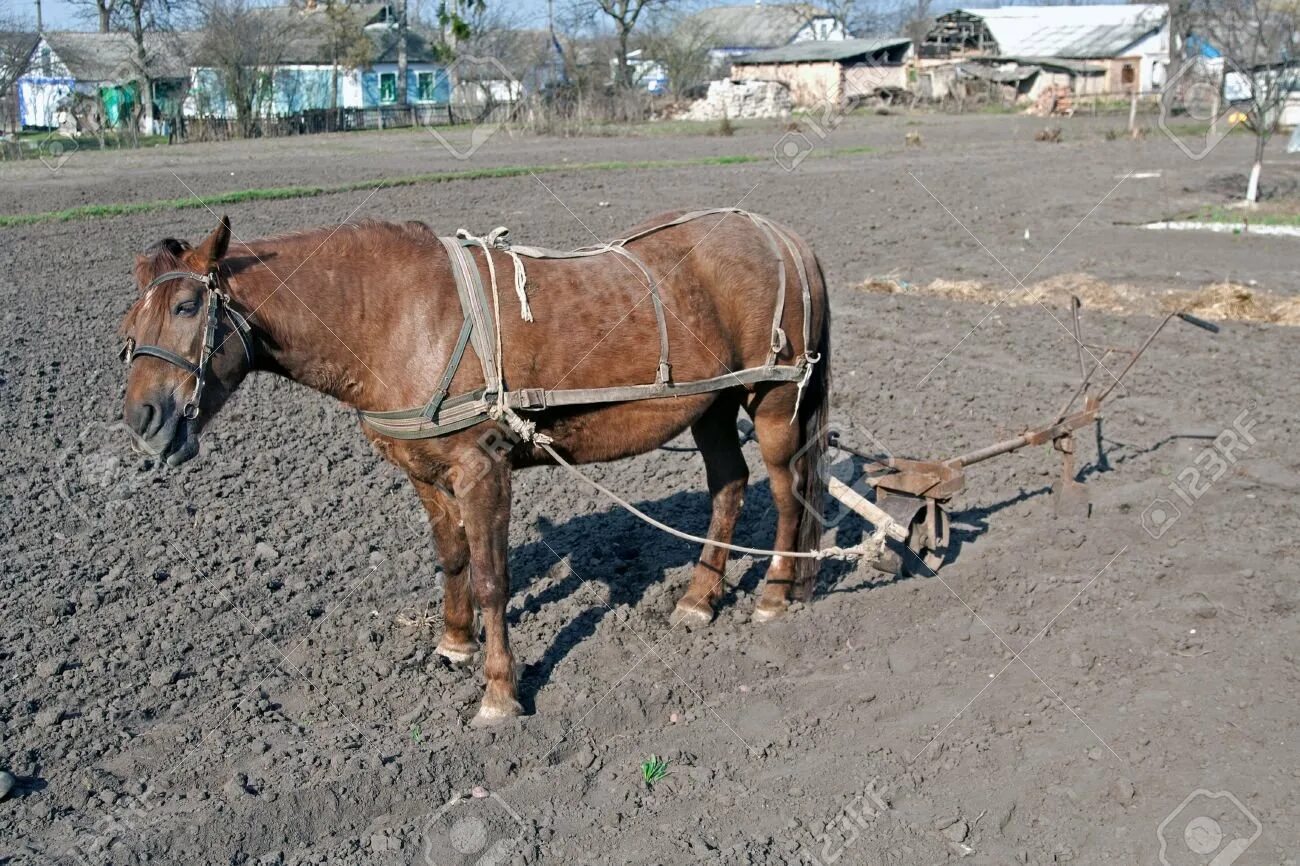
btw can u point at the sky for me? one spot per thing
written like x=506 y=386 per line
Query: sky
x=63 y=15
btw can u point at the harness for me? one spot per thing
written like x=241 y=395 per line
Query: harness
x=444 y=414
x=218 y=306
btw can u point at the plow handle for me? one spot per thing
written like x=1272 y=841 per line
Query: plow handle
x=1198 y=322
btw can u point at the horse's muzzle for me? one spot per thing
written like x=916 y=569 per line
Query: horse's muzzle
x=160 y=428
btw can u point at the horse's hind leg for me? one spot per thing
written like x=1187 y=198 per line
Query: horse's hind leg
x=724 y=465
x=457 y=643
x=780 y=443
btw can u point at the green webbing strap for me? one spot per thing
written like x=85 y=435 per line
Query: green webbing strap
x=473 y=304
x=472 y=408
x=444 y=387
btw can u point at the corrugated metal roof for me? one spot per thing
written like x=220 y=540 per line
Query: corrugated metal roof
x=754 y=26
x=812 y=52
x=1070 y=31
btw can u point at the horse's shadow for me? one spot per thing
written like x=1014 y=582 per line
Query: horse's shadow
x=616 y=549
x=628 y=557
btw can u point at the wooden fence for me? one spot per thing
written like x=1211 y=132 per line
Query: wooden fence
x=321 y=120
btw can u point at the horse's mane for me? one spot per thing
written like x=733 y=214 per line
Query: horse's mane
x=352 y=234
x=351 y=239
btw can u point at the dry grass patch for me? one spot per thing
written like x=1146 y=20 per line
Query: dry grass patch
x=1219 y=301
x=1235 y=302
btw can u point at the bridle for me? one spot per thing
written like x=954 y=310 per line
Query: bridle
x=218 y=305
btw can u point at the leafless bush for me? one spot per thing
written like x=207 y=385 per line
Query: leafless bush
x=16 y=48
x=573 y=110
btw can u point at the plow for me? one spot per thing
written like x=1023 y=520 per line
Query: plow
x=913 y=497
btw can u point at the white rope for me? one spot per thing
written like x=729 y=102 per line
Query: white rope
x=521 y=285
x=873 y=547
x=496 y=315
x=499 y=239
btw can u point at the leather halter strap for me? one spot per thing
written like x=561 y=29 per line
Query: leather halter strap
x=218 y=306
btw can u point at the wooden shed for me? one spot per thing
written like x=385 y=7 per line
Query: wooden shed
x=830 y=72
x=1128 y=44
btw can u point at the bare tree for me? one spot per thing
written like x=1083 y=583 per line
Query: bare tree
x=916 y=20
x=843 y=11
x=17 y=49
x=493 y=33
x=244 y=44
x=1258 y=42
x=682 y=49
x=349 y=46
x=140 y=18
x=100 y=11
x=624 y=16
x=910 y=18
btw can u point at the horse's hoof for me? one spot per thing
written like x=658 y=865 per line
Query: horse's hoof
x=690 y=614
x=495 y=712
x=767 y=613
x=456 y=653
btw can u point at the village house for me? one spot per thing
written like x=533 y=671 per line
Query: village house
x=731 y=31
x=832 y=72
x=1104 y=49
x=304 y=74
x=101 y=67
x=67 y=66
x=303 y=79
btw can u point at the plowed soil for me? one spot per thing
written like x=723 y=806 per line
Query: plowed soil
x=232 y=662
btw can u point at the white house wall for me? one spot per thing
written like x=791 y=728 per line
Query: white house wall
x=39 y=100
x=350 y=91
x=44 y=88
x=1153 y=51
x=821 y=30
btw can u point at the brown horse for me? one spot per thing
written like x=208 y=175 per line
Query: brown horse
x=369 y=314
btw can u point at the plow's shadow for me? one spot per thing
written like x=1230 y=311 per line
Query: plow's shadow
x=616 y=549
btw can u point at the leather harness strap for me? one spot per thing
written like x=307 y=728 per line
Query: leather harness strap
x=444 y=414
x=218 y=307
x=473 y=304
x=469 y=409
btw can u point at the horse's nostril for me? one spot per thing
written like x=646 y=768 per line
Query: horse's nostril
x=144 y=419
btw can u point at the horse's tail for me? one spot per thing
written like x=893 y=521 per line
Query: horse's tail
x=814 y=411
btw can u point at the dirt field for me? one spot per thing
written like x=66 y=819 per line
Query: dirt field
x=230 y=663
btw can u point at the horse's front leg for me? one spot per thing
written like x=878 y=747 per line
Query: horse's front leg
x=485 y=510
x=458 y=643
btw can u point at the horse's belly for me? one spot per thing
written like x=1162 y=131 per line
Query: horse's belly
x=619 y=430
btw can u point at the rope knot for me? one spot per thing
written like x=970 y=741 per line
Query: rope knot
x=806 y=361
x=525 y=430
x=498 y=239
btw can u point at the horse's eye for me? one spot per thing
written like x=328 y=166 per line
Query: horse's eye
x=187 y=308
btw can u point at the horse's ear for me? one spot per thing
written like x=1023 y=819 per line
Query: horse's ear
x=214 y=246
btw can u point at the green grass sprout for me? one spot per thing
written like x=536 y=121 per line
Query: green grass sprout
x=653 y=769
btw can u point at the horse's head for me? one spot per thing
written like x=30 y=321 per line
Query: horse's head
x=186 y=347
